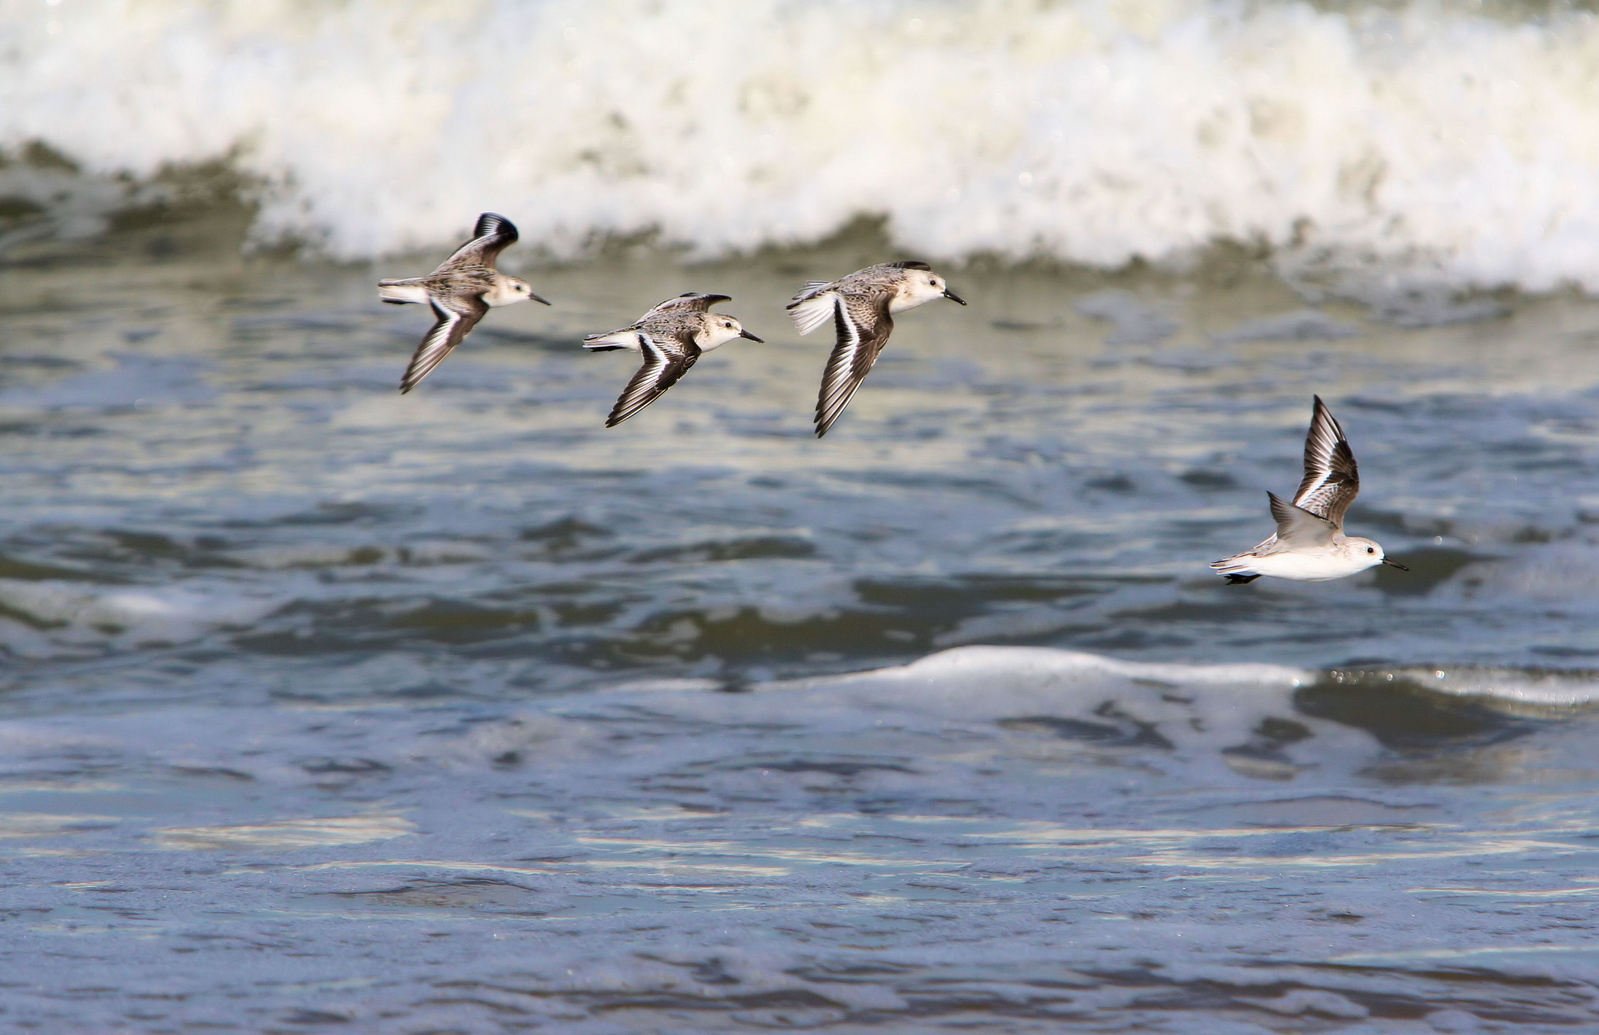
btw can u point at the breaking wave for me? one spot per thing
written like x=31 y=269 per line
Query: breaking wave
x=1429 y=141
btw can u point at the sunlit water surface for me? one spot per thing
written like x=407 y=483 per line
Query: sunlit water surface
x=456 y=711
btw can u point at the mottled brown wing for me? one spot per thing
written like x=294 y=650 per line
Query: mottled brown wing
x=448 y=331
x=492 y=235
x=862 y=331
x=664 y=363
x=688 y=302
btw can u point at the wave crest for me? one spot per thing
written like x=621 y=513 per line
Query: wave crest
x=1437 y=142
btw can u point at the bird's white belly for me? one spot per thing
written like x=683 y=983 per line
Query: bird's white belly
x=1307 y=565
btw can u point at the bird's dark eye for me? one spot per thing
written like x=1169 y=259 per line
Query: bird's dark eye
x=1371 y=549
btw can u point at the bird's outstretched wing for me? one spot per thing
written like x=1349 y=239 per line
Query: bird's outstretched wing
x=492 y=235
x=861 y=336
x=664 y=363
x=1331 y=478
x=454 y=321
x=688 y=302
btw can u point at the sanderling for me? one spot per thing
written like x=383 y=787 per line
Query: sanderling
x=672 y=336
x=861 y=306
x=460 y=291
x=1309 y=544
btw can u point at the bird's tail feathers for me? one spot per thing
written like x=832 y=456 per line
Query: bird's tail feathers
x=1235 y=569
x=810 y=309
x=399 y=292
x=626 y=339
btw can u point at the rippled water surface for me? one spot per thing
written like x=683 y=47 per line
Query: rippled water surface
x=321 y=705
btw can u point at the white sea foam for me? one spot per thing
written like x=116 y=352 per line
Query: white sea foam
x=978 y=683
x=53 y=613
x=1538 y=693
x=1432 y=140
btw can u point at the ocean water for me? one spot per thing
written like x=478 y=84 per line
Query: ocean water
x=324 y=708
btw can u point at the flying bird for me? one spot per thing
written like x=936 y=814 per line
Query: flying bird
x=672 y=337
x=461 y=290
x=861 y=306
x=1309 y=544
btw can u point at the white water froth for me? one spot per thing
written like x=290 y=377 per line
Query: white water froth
x=1429 y=141
x=984 y=683
x=979 y=687
x=39 y=618
x=1005 y=677
x=1511 y=691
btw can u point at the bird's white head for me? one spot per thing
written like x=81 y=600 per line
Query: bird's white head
x=1367 y=553
x=719 y=329
x=919 y=287
x=510 y=290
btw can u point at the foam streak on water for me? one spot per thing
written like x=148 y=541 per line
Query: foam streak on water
x=1016 y=838
x=1433 y=138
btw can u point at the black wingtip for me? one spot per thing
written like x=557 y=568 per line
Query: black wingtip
x=493 y=222
x=823 y=422
x=1240 y=580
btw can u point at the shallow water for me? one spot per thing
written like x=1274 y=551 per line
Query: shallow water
x=321 y=706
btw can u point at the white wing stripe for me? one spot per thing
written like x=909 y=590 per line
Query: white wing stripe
x=839 y=382
x=841 y=368
x=438 y=344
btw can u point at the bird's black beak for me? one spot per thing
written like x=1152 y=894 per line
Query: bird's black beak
x=1394 y=564
x=536 y=298
x=751 y=337
x=953 y=297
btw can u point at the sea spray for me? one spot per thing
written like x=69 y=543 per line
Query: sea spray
x=1425 y=140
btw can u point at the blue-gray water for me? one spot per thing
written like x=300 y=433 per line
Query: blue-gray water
x=325 y=707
